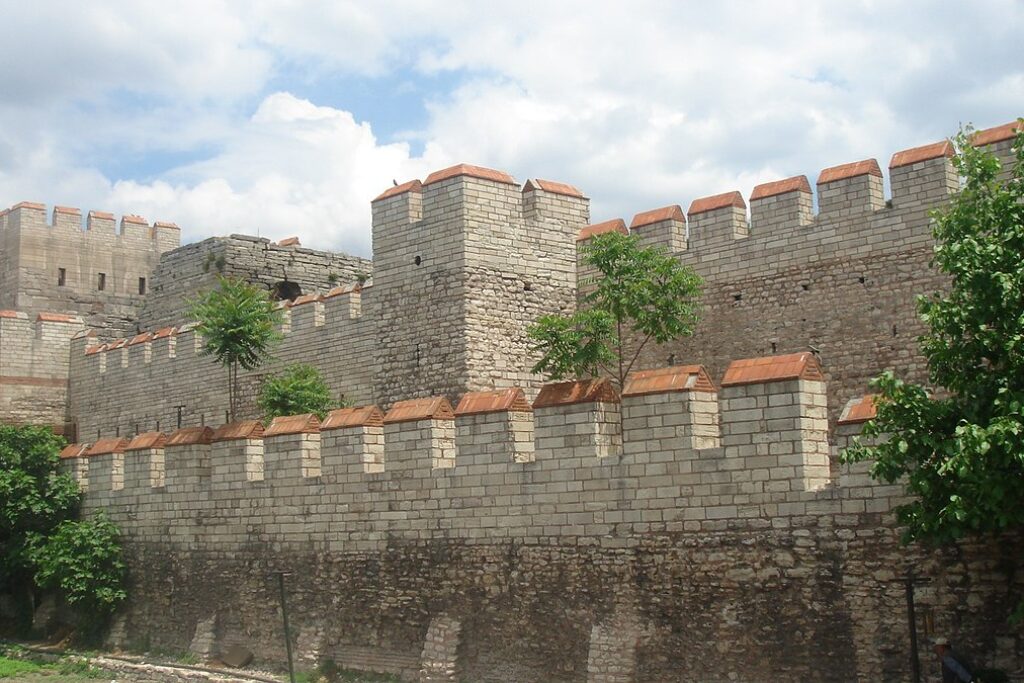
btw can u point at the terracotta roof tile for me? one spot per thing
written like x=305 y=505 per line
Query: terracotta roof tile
x=935 y=150
x=166 y=224
x=614 y=225
x=109 y=445
x=8 y=314
x=553 y=187
x=29 y=205
x=236 y=431
x=165 y=332
x=500 y=401
x=289 y=242
x=339 y=290
x=410 y=186
x=84 y=333
x=718 y=201
x=858 y=410
x=56 y=318
x=140 y=339
x=433 y=408
x=363 y=416
x=306 y=299
x=666 y=213
x=664 y=380
x=997 y=134
x=189 y=436
x=90 y=350
x=471 y=171
x=147 y=440
x=70 y=210
x=74 y=450
x=851 y=170
x=105 y=215
x=132 y=218
x=116 y=344
x=797 y=183
x=570 y=393
x=773 y=369
x=293 y=424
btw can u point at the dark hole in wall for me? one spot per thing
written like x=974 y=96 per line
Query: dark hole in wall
x=285 y=290
x=417 y=260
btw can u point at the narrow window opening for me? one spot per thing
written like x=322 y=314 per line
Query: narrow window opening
x=894 y=330
x=775 y=347
x=62 y=277
x=417 y=260
x=101 y=281
x=117 y=431
x=142 y=285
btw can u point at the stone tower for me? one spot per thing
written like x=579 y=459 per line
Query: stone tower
x=462 y=263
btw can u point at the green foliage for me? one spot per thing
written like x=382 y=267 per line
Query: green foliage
x=238 y=323
x=640 y=295
x=299 y=389
x=83 y=560
x=15 y=668
x=960 y=448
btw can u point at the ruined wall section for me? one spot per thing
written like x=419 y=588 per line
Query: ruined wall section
x=507 y=542
x=464 y=262
x=185 y=272
x=34 y=368
x=101 y=273
x=841 y=282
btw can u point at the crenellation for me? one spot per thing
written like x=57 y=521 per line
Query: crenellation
x=716 y=221
x=665 y=228
x=781 y=206
x=850 y=189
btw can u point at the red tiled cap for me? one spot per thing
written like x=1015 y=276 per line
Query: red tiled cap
x=293 y=424
x=8 y=314
x=363 y=416
x=74 y=450
x=718 y=201
x=411 y=186
x=139 y=339
x=289 y=242
x=471 y=171
x=570 y=393
x=165 y=224
x=553 y=187
x=502 y=401
x=116 y=344
x=84 y=333
x=4 y=212
x=29 y=205
x=339 y=290
x=797 y=183
x=306 y=299
x=95 y=349
x=236 y=431
x=132 y=218
x=164 y=332
x=664 y=380
x=190 y=436
x=147 y=440
x=667 y=213
x=433 y=408
x=614 y=225
x=858 y=410
x=997 y=134
x=935 y=150
x=55 y=318
x=71 y=210
x=851 y=170
x=109 y=445
x=773 y=369
x=106 y=215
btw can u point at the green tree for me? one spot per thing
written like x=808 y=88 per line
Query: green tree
x=299 y=389
x=959 y=443
x=640 y=295
x=37 y=507
x=238 y=323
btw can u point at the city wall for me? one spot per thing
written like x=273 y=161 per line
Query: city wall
x=689 y=530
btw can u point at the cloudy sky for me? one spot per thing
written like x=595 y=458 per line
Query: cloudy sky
x=281 y=118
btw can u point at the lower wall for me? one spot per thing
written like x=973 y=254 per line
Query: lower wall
x=821 y=604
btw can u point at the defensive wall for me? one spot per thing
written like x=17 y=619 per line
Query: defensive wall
x=467 y=259
x=689 y=530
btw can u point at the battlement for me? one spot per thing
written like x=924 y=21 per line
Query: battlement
x=98 y=225
x=675 y=453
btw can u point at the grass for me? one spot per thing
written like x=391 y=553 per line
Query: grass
x=63 y=671
x=9 y=668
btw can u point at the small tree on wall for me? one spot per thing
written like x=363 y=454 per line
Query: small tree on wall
x=238 y=323
x=298 y=390
x=960 y=449
x=641 y=295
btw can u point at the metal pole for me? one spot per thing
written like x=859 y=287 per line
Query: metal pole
x=287 y=633
x=915 y=662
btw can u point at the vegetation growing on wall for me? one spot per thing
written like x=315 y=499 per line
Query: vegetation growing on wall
x=299 y=389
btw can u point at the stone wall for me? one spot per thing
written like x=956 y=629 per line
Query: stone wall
x=58 y=267
x=185 y=272
x=706 y=540
x=34 y=367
